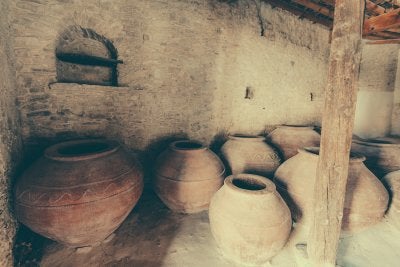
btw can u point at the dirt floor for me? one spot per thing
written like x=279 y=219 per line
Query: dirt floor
x=154 y=236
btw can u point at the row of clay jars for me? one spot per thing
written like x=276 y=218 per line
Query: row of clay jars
x=79 y=192
x=249 y=220
x=366 y=198
x=187 y=175
x=383 y=154
x=252 y=154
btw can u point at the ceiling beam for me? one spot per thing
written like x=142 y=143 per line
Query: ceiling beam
x=315 y=7
x=387 y=41
x=301 y=13
x=382 y=22
x=374 y=8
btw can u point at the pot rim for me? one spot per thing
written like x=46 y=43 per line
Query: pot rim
x=389 y=141
x=191 y=146
x=55 y=152
x=265 y=185
x=314 y=151
x=247 y=137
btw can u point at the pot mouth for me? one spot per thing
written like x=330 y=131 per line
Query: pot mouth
x=246 y=137
x=379 y=142
x=314 y=151
x=187 y=146
x=250 y=184
x=81 y=149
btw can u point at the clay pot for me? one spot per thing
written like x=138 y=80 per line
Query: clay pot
x=383 y=154
x=366 y=198
x=250 y=154
x=187 y=175
x=79 y=192
x=288 y=139
x=249 y=220
x=392 y=183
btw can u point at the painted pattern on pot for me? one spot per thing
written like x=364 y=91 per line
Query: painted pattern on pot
x=383 y=154
x=187 y=175
x=249 y=220
x=79 y=192
x=288 y=139
x=250 y=154
x=366 y=198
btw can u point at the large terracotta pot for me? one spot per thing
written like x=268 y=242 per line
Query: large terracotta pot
x=383 y=154
x=288 y=139
x=366 y=198
x=187 y=175
x=79 y=192
x=392 y=183
x=249 y=220
x=250 y=154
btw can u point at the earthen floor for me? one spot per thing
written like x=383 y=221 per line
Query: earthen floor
x=154 y=236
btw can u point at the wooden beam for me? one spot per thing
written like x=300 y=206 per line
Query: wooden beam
x=328 y=2
x=374 y=8
x=299 y=12
x=315 y=7
x=336 y=136
x=387 y=41
x=382 y=22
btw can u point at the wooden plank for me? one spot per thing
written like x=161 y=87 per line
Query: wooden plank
x=387 y=41
x=374 y=8
x=336 y=136
x=299 y=12
x=382 y=22
x=315 y=7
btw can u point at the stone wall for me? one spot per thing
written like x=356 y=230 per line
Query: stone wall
x=9 y=137
x=187 y=67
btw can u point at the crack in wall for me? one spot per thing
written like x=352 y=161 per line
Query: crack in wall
x=259 y=17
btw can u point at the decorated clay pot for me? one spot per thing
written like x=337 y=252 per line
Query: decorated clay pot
x=288 y=139
x=383 y=154
x=250 y=154
x=249 y=220
x=79 y=192
x=187 y=175
x=392 y=183
x=366 y=198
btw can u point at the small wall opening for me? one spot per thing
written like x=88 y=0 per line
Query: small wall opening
x=86 y=57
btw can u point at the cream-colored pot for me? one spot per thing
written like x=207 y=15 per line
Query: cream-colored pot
x=249 y=219
x=366 y=198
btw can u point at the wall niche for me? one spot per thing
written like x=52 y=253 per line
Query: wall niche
x=86 y=57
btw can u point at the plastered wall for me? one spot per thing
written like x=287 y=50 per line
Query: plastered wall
x=376 y=104
x=10 y=144
x=187 y=66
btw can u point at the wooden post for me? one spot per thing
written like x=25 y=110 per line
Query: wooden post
x=337 y=127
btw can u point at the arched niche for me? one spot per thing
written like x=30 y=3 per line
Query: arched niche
x=86 y=57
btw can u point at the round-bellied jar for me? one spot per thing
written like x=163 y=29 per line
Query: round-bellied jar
x=366 y=198
x=383 y=154
x=79 y=192
x=249 y=220
x=250 y=154
x=187 y=175
x=288 y=139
